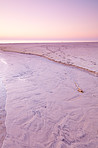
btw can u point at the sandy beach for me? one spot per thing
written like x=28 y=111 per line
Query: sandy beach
x=49 y=95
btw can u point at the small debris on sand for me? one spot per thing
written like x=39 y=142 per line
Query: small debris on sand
x=79 y=89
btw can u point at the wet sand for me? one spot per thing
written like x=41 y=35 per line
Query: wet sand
x=44 y=108
x=83 y=56
x=2 y=113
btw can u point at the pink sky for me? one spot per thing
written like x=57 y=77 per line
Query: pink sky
x=65 y=20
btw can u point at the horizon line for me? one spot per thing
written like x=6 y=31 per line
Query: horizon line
x=43 y=41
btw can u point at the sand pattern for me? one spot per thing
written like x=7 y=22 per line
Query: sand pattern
x=2 y=113
x=43 y=107
x=79 y=55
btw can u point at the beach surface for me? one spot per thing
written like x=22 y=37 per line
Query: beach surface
x=49 y=95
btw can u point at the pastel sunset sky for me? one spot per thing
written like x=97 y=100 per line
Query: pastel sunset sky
x=59 y=20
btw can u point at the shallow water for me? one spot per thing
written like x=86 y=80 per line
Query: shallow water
x=44 y=108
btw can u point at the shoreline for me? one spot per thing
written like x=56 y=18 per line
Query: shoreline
x=22 y=51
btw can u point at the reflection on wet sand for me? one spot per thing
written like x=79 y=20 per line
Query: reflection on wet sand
x=2 y=114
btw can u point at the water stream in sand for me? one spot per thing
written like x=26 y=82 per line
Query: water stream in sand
x=43 y=107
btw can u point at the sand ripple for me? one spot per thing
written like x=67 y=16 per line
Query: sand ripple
x=2 y=113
